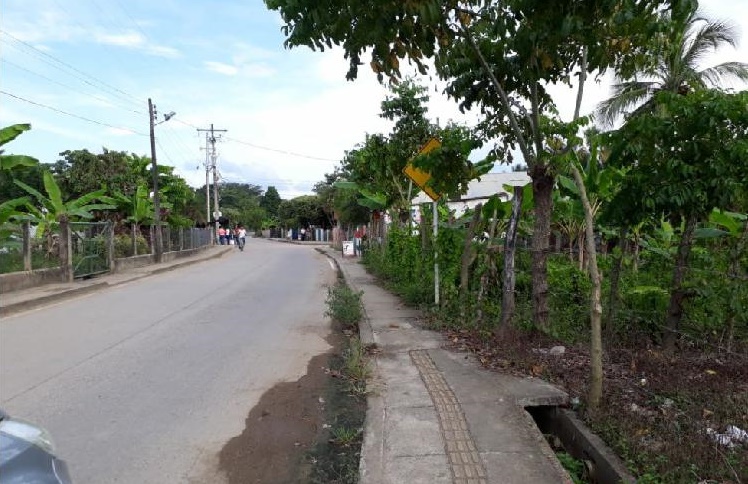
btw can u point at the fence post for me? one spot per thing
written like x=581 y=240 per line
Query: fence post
x=110 y=246
x=27 y=246
x=66 y=251
x=181 y=238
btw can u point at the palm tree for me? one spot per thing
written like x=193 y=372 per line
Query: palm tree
x=674 y=64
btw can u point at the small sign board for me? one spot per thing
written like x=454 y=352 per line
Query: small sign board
x=348 y=250
x=420 y=177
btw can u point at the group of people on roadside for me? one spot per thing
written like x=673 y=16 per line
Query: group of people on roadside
x=236 y=236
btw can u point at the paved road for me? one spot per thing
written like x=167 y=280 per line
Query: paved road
x=146 y=382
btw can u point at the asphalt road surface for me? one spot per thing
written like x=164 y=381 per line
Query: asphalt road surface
x=145 y=382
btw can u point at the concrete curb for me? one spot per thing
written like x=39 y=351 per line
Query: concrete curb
x=15 y=308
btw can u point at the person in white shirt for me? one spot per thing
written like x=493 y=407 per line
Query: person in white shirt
x=241 y=237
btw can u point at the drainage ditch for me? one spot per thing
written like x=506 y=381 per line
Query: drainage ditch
x=581 y=452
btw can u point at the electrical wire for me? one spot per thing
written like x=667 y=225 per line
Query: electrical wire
x=41 y=54
x=49 y=79
x=266 y=148
x=83 y=118
x=277 y=150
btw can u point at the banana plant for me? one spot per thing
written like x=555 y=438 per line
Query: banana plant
x=9 y=209
x=139 y=209
x=49 y=209
x=9 y=162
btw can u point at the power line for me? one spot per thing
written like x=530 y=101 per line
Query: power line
x=94 y=96
x=59 y=61
x=83 y=118
x=276 y=150
x=165 y=153
x=266 y=148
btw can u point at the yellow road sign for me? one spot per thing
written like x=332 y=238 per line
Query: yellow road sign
x=419 y=176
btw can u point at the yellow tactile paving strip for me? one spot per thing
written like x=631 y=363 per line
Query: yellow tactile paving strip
x=464 y=461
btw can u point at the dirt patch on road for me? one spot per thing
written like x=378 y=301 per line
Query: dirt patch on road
x=280 y=430
x=307 y=431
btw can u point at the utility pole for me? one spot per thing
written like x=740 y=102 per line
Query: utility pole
x=211 y=138
x=207 y=182
x=158 y=243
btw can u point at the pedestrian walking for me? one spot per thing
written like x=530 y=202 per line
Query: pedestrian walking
x=222 y=236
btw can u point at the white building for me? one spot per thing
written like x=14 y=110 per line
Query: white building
x=479 y=191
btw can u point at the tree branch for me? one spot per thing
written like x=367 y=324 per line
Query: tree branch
x=529 y=160
x=535 y=122
x=582 y=80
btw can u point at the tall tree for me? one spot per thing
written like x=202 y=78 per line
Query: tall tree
x=683 y=160
x=270 y=201
x=673 y=63
x=500 y=54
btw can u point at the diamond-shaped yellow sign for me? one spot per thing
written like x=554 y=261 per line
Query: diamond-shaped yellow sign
x=419 y=176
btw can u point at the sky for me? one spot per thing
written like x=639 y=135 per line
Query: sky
x=81 y=72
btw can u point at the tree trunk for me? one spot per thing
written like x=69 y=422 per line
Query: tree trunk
x=509 y=277
x=468 y=252
x=615 y=277
x=596 y=308
x=542 y=188
x=677 y=294
x=66 y=251
x=580 y=245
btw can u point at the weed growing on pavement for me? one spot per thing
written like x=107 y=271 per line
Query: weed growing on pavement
x=344 y=306
x=335 y=458
x=344 y=436
x=356 y=367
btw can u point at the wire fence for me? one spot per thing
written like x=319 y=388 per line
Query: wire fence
x=94 y=245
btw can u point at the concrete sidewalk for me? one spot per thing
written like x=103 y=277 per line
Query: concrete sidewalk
x=31 y=298
x=436 y=416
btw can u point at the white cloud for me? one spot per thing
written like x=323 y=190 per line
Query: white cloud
x=221 y=68
x=163 y=51
x=125 y=39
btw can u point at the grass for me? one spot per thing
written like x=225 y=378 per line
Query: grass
x=335 y=458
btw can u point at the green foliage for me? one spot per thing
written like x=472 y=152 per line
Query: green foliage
x=356 y=367
x=57 y=209
x=685 y=159
x=80 y=172
x=344 y=306
x=123 y=246
x=11 y=162
x=270 y=201
x=573 y=466
x=303 y=211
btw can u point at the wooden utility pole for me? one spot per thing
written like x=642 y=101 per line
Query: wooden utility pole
x=158 y=243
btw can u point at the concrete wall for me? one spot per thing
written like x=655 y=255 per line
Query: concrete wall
x=16 y=281
x=126 y=263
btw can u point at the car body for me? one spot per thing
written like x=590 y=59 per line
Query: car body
x=27 y=455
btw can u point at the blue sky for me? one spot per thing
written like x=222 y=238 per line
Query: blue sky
x=219 y=62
